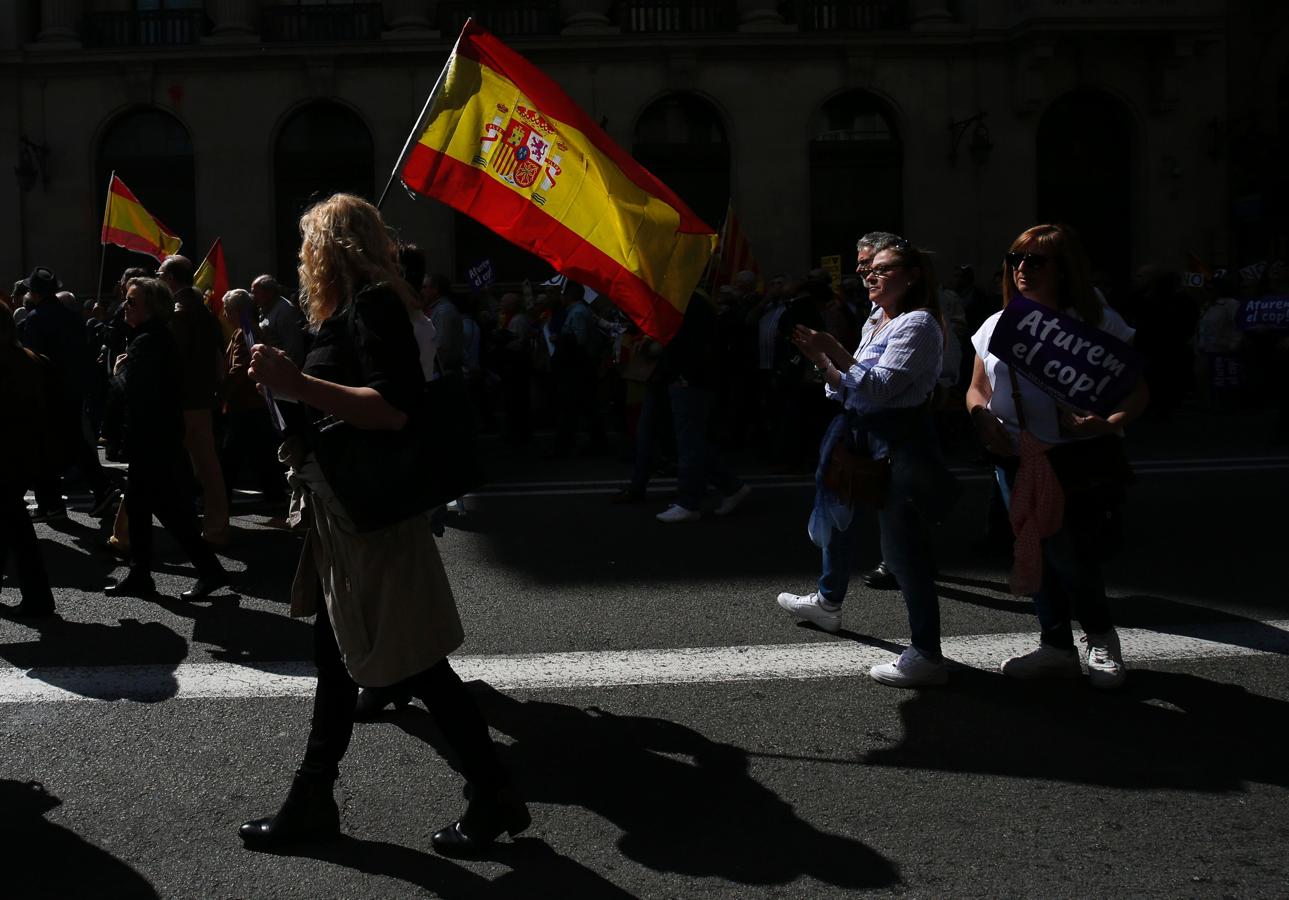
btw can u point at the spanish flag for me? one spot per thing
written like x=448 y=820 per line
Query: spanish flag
x=212 y=275
x=501 y=142
x=127 y=224
x=734 y=254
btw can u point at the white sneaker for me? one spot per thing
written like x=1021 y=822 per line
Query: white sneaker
x=678 y=513
x=809 y=608
x=1105 y=660
x=1045 y=662
x=730 y=503
x=911 y=670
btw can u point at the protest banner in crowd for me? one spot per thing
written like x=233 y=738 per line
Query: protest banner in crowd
x=1076 y=363
x=1265 y=312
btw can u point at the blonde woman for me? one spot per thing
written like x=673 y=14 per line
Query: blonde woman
x=386 y=617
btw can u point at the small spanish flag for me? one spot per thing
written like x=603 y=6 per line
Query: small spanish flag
x=734 y=252
x=212 y=275
x=501 y=142
x=127 y=224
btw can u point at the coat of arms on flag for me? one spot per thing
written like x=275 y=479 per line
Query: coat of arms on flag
x=527 y=147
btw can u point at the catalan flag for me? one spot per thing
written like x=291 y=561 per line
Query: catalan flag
x=501 y=142
x=212 y=275
x=127 y=224
x=734 y=252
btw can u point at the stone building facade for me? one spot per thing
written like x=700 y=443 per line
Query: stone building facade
x=956 y=123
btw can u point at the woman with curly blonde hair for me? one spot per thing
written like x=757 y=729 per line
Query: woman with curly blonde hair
x=386 y=617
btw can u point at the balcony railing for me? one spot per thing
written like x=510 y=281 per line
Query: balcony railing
x=847 y=15
x=144 y=28
x=523 y=18
x=314 y=23
x=675 y=16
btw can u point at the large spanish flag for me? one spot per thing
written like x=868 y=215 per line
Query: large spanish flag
x=501 y=142
x=127 y=224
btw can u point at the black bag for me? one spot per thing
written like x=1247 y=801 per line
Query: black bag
x=383 y=477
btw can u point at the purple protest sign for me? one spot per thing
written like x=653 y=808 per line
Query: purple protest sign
x=1265 y=312
x=1078 y=364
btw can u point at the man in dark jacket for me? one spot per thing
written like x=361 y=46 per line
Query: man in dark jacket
x=689 y=367
x=201 y=347
x=58 y=334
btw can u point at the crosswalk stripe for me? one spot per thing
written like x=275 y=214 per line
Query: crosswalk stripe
x=616 y=668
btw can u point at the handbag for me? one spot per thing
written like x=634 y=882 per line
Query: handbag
x=383 y=477
x=854 y=476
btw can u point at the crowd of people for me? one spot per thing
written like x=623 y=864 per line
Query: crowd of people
x=863 y=382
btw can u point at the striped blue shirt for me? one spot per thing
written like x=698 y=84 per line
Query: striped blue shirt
x=896 y=365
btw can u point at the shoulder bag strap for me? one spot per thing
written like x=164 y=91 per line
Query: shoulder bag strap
x=1016 y=401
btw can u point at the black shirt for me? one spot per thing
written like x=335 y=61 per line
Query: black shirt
x=378 y=351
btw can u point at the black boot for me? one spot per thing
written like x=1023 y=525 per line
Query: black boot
x=488 y=815
x=881 y=578
x=309 y=813
x=372 y=701
x=137 y=584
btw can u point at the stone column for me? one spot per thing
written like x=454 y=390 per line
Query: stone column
x=930 y=13
x=59 y=20
x=585 y=17
x=231 y=18
x=759 y=15
x=409 y=19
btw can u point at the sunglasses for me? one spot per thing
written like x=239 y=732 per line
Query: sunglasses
x=884 y=271
x=1033 y=261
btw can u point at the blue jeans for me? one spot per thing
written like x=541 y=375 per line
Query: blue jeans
x=1073 y=586
x=907 y=553
x=696 y=464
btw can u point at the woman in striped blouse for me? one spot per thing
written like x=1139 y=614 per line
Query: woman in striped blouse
x=884 y=388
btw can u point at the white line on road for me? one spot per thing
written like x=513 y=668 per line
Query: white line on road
x=546 y=671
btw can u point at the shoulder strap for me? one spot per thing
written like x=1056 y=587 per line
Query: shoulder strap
x=1016 y=401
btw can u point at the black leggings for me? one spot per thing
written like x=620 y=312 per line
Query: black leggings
x=438 y=687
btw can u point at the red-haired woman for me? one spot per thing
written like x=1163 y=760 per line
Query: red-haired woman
x=1046 y=264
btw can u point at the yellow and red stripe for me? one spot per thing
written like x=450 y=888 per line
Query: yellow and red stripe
x=593 y=212
x=127 y=224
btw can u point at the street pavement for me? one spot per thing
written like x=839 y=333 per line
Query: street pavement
x=676 y=734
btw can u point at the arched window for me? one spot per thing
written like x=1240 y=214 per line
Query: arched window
x=322 y=149
x=1085 y=152
x=151 y=152
x=680 y=139
x=856 y=174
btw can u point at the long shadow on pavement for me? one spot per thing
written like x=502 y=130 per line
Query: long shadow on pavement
x=701 y=816
x=537 y=871
x=1163 y=730
x=47 y=860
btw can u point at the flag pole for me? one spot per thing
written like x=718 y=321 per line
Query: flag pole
x=102 y=257
x=419 y=128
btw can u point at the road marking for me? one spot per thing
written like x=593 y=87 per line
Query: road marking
x=597 y=669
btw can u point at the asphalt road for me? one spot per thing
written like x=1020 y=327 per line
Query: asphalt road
x=683 y=786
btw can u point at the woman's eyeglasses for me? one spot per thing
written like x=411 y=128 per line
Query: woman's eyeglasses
x=130 y=303
x=884 y=271
x=1032 y=261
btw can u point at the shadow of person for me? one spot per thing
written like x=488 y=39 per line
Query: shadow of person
x=131 y=660
x=702 y=815
x=1161 y=730
x=245 y=636
x=50 y=861
x=536 y=870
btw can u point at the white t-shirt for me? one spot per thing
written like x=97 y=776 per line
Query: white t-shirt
x=427 y=342
x=1041 y=412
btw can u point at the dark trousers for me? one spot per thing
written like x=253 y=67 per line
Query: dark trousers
x=438 y=687
x=76 y=452
x=249 y=441
x=18 y=538
x=576 y=386
x=162 y=486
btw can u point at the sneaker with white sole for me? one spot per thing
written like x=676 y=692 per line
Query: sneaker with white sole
x=810 y=608
x=1045 y=662
x=678 y=513
x=730 y=503
x=1105 y=660
x=911 y=670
